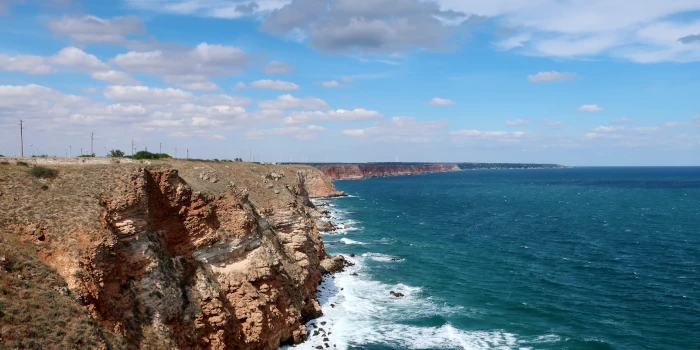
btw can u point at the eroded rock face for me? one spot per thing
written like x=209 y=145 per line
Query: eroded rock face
x=364 y=171
x=184 y=269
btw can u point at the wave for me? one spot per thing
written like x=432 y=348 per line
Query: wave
x=360 y=311
x=382 y=257
x=350 y=241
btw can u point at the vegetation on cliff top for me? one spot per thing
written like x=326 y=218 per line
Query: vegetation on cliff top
x=36 y=307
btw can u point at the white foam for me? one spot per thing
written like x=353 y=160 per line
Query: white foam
x=350 y=241
x=382 y=257
x=365 y=312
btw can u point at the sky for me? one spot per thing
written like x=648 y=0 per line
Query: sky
x=574 y=82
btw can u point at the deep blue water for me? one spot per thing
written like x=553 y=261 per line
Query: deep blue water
x=582 y=258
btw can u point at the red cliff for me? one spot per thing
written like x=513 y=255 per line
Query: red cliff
x=364 y=171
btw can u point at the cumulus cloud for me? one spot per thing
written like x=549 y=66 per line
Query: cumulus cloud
x=144 y=94
x=346 y=79
x=590 y=108
x=72 y=57
x=276 y=67
x=291 y=102
x=437 y=101
x=542 y=77
x=274 y=85
x=190 y=68
x=25 y=63
x=401 y=129
x=339 y=115
x=365 y=25
x=239 y=85
x=92 y=29
x=517 y=122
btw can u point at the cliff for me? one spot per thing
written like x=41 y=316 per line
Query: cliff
x=364 y=171
x=175 y=254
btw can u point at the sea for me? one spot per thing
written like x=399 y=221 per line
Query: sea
x=576 y=258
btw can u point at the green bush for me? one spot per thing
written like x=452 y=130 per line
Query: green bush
x=43 y=172
x=88 y=155
x=21 y=163
x=115 y=153
x=148 y=155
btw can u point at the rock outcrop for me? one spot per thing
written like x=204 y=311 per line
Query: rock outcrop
x=364 y=171
x=181 y=254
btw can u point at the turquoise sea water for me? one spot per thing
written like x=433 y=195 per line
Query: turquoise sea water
x=582 y=258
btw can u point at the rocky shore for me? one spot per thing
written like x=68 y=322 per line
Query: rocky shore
x=165 y=254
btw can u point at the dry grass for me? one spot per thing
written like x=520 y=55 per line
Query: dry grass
x=36 y=309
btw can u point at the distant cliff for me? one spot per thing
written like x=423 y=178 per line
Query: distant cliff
x=349 y=171
x=369 y=170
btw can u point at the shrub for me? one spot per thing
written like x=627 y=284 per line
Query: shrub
x=88 y=155
x=43 y=172
x=149 y=155
x=21 y=163
x=4 y=162
x=115 y=153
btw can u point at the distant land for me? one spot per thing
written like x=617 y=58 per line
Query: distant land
x=356 y=171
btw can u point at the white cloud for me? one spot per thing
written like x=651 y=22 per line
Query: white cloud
x=622 y=121
x=590 y=108
x=91 y=29
x=304 y=134
x=186 y=67
x=339 y=115
x=199 y=86
x=291 y=102
x=517 y=122
x=552 y=123
x=499 y=136
x=144 y=94
x=239 y=86
x=274 y=85
x=437 y=101
x=346 y=79
x=25 y=63
x=402 y=129
x=329 y=84
x=276 y=67
x=115 y=77
x=579 y=28
x=550 y=77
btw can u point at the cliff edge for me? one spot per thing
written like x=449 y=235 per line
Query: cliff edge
x=364 y=171
x=172 y=254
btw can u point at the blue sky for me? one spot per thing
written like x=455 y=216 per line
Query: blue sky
x=572 y=82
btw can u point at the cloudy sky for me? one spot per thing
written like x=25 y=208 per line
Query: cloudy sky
x=576 y=82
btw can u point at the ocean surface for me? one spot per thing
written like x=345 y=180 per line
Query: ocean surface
x=582 y=258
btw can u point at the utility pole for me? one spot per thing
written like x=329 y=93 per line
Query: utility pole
x=92 y=138
x=132 y=147
x=70 y=151
x=188 y=153
x=175 y=152
x=160 y=147
x=105 y=151
x=21 y=138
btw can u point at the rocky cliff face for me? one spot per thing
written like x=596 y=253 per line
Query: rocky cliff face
x=213 y=256
x=364 y=171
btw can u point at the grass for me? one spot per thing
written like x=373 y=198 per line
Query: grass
x=36 y=309
x=43 y=172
